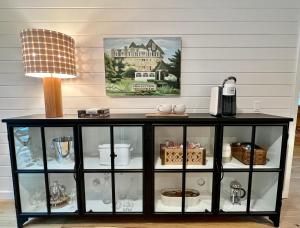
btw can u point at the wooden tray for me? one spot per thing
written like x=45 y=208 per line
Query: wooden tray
x=166 y=115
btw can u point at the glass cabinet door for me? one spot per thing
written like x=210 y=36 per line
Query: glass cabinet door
x=128 y=147
x=200 y=147
x=32 y=192
x=28 y=148
x=98 y=192
x=96 y=147
x=233 y=193
x=60 y=147
x=129 y=192
x=198 y=197
x=63 y=194
x=235 y=137
x=269 y=140
x=168 y=142
x=128 y=155
x=168 y=188
x=264 y=191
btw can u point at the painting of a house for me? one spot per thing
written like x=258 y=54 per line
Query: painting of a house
x=142 y=66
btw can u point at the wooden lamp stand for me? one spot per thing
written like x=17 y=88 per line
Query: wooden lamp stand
x=52 y=97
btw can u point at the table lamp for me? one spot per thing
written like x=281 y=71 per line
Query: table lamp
x=49 y=55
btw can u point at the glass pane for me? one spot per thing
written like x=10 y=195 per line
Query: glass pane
x=198 y=195
x=168 y=147
x=60 y=147
x=128 y=147
x=264 y=191
x=32 y=192
x=28 y=147
x=129 y=192
x=269 y=138
x=168 y=190
x=62 y=189
x=98 y=195
x=96 y=147
x=200 y=147
x=234 y=188
x=235 y=154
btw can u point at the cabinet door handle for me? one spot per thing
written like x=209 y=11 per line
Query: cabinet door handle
x=75 y=176
x=220 y=170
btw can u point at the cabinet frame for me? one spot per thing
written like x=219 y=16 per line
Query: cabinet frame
x=148 y=125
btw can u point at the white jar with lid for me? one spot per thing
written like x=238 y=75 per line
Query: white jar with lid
x=226 y=155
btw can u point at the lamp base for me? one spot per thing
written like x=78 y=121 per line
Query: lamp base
x=52 y=96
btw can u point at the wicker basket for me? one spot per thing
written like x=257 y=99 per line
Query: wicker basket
x=173 y=156
x=239 y=152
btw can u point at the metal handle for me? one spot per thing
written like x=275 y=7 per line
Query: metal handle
x=228 y=79
x=220 y=170
x=222 y=173
x=244 y=193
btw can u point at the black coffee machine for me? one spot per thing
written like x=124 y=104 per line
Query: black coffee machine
x=223 y=98
x=229 y=97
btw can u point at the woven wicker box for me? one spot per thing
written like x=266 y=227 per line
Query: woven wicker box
x=173 y=156
x=239 y=152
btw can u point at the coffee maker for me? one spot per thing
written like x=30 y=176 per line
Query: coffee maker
x=223 y=98
x=237 y=193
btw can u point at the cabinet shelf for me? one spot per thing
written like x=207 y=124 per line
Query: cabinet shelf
x=94 y=163
x=209 y=165
x=236 y=164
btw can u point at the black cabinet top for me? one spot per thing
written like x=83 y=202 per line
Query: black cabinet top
x=141 y=118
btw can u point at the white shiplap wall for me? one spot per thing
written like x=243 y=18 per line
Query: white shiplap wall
x=255 y=40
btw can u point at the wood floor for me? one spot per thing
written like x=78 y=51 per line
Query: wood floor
x=290 y=215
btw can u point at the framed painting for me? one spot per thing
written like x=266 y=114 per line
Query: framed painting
x=143 y=66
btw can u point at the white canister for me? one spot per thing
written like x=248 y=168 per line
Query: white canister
x=226 y=155
x=122 y=154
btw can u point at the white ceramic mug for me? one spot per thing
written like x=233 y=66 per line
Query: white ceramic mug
x=164 y=108
x=179 y=108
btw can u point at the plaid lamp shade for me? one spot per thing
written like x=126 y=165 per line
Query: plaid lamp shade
x=48 y=54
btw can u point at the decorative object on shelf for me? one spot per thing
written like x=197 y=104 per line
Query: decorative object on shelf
x=171 y=153
x=223 y=98
x=166 y=115
x=94 y=113
x=178 y=108
x=242 y=152
x=173 y=197
x=49 y=55
x=164 y=108
x=226 y=155
x=106 y=189
x=63 y=147
x=237 y=193
x=23 y=151
x=122 y=154
x=142 y=66
x=37 y=199
x=167 y=109
x=58 y=195
x=96 y=182
x=125 y=205
x=201 y=182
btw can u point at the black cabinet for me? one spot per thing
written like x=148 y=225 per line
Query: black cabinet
x=123 y=165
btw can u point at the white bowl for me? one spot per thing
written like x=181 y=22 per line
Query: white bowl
x=175 y=201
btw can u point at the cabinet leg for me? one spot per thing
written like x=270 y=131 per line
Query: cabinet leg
x=275 y=219
x=21 y=221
